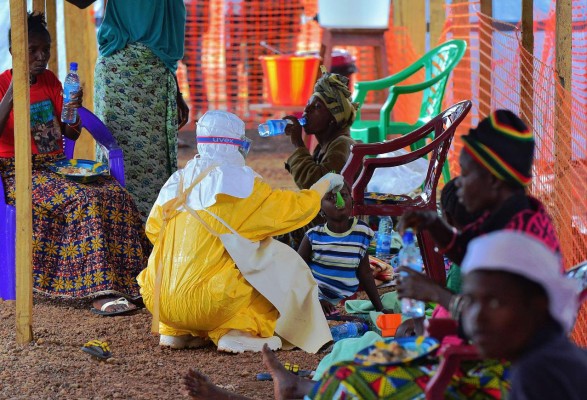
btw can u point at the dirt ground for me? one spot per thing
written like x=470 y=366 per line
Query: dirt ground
x=54 y=367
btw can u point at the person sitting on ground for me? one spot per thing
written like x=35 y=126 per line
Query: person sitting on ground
x=202 y=289
x=329 y=115
x=88 y=238
x=496 y=166
x=336 y=252
x=511 y=290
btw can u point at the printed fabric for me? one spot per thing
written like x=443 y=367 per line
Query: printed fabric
x=336 y=257
x=88 y=239
x=348 y=380
x=135 y=96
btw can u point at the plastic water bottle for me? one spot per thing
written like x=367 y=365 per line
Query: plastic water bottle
x=383 y=245
x=348 y=330
x=71 y=86
x=409 y=256
x=274 y=127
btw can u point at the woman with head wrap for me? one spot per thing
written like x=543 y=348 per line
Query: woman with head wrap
x=192 y=284
x=517 y=308
x=496 y=166
x=329 y=115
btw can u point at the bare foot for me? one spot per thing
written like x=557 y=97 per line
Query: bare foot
x=285 y=384
x=199 y=387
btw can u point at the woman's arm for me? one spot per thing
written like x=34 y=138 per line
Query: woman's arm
x=305 y=171
x=366 y=280
x=414 y=285
x=81 y=3
x=183 y=111
x=5 y=107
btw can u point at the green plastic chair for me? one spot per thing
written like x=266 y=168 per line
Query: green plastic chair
x=437 y=64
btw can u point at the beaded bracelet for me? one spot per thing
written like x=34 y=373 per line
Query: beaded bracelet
x=451 y=243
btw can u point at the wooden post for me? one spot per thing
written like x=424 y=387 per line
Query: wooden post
x=527 y=63
x=412 y=15
x=51 y=15
x=485 y=58
x=562 y=127
x=39 y=5
x=23 y=171
x=80 y=45
x=437 y=19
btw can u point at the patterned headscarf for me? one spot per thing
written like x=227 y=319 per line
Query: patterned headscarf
x=503 y=144
x=332 y=89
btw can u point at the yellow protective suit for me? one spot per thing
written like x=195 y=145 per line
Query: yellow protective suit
x=202 y=291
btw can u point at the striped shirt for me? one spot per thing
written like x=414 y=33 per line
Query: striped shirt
x=336 y=257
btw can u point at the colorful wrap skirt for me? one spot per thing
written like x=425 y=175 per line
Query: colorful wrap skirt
x=347 y=380
x=88 y=239
x=136 y=98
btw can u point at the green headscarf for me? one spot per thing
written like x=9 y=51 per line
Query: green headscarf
x=332 y=89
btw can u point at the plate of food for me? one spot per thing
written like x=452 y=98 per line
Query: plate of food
x=396 y=351
x=83 y=171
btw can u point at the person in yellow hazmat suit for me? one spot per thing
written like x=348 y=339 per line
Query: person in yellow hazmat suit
x=192 y=286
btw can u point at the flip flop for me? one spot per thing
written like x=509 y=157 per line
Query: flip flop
x=98 y=349
x=118 y=302
x=294 y=369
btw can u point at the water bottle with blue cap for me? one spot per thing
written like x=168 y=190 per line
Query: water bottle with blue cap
x=274 y=127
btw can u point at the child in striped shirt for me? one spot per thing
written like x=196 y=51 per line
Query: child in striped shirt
x=336 y=252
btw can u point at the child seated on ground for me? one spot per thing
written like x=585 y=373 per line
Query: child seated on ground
x=336 y=252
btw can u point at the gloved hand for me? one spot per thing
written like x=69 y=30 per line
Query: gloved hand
x=334 y=181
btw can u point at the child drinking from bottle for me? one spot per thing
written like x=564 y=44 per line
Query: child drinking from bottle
x=336 y=252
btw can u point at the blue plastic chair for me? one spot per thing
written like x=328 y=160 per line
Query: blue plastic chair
x=8 y=213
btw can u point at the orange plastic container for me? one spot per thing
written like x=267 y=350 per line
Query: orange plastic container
x=289 y=79
x=388 y=324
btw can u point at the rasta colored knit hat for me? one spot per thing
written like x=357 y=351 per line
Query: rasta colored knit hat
x=503 y=144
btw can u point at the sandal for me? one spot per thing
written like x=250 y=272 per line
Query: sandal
x=294 y=369
x=97 y=349
x=127 y=307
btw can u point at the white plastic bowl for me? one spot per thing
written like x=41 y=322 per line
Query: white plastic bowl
x=354 y=14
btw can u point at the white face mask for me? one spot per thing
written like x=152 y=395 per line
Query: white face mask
x=244 y=143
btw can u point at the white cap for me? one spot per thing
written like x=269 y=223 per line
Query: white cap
x=525 y=255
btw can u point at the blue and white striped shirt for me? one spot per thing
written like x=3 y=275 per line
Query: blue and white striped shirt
x=335 y=259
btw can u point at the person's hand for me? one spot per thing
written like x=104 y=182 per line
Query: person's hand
x=336 y=181
x=417 y=220
x=183 y=111
x=76 y=98
x=414 y=285
x=327 y=307
x=294 y=131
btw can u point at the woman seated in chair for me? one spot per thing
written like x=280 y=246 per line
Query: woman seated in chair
x=517 y=307
x=496 y=166
x=88 y=239
x=329 y=115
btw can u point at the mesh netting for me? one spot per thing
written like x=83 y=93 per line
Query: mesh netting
x=224 y=72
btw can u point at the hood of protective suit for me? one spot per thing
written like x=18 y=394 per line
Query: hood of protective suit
x=219 y=134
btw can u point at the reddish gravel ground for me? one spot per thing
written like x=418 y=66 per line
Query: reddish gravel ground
x=54 y=367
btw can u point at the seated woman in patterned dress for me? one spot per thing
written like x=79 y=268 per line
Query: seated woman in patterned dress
x=88 y=239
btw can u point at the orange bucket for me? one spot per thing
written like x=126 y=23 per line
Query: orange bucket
x=289 y=79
